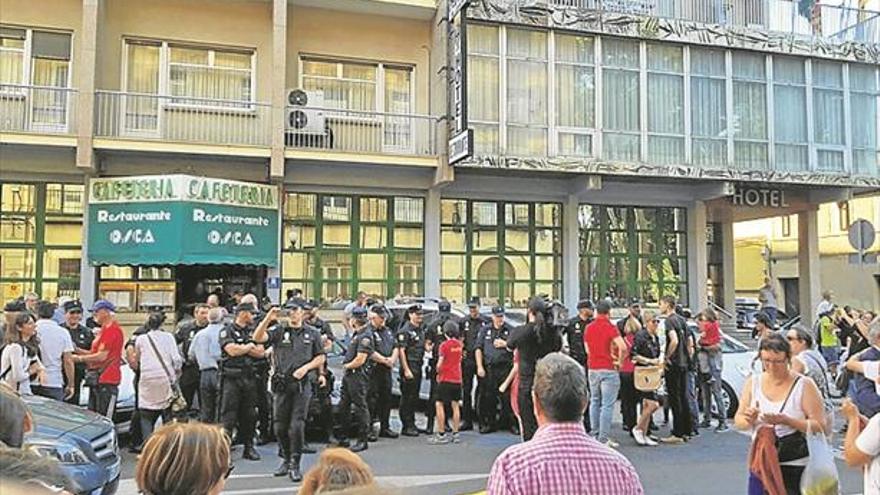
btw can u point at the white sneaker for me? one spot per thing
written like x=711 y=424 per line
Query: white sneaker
x=650 y=443
x=611 y=443
x=639 y=436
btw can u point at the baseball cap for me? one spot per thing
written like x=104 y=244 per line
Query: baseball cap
x=444 y=306
x=415 y=308
x=73 y=306
x=585 y=304
x=497 y=310
x=103 y=304
x=379 y=310
x=635 y=302
x=249 y=307
x=474 y=302
x=359 y=312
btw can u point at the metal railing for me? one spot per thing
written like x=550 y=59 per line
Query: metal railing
x=787 y=16
x=361 y=131
x=182 y=119
x=37 y=109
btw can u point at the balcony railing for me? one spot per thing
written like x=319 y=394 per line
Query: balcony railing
x=360 y=131
x=828 y=21
x=37 y=109
x=181 y=119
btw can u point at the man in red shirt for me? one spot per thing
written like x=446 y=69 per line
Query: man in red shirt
x=605 y=352
x=448 y=384
x=103 y=372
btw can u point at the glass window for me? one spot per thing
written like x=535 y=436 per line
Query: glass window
x=864 y=101
x=209 y=73
x=790 y=119
x=749 y=110
x=483 y=87
x=828 y=119
x=12 y=43
x=63 y=234
x=708 y=107
x=526 y=92
x=665 y=104
x=620 y=100
x=575 y=94
x=356 y=86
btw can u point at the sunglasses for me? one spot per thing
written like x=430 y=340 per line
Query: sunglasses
x=228 y=472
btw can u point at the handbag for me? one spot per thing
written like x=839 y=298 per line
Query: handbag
x=794 y=445
x=648 y=378
x=178 y=402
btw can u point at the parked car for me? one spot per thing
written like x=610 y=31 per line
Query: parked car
x=83 y=442
x=745 y=318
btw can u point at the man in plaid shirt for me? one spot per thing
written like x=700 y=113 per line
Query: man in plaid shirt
x=561 y=458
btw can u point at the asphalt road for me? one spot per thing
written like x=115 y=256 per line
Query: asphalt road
x=711 y=463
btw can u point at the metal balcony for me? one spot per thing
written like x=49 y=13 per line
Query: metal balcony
x=37 y=109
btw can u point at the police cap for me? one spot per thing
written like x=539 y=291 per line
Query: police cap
x=415 y=309
x=359 y=312
x=444 y=306
x=498 y=310
x=585 y=304
x=474 y=302
x=249 y=307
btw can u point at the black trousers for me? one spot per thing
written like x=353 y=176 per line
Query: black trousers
x=148 y=419
x=587 y=425
x=263 y=421
x=495 y=410
x=209 y=392
x=409 y=395
x=628 y=400
x=676 y=389
x=237 y=407
x=190 y=381
x=354 y=396
x=291 y=412
x=380 y=396
x=79 y=373
x=102 y=399
x=526 y=408
x=468 y=372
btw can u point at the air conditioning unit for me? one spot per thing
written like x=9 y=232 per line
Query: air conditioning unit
x=304 y=114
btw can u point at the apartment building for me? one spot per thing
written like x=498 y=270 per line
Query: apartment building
x=153 y=152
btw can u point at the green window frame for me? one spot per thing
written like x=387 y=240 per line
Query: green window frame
x=502 y=252
x=40 y=225
x=335 y=245
x=633 y=252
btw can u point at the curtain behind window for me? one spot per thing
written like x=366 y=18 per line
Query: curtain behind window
x=527 y=92
x=12 y=55
x=708 y=108
x=790 y=119
x=863 y=102
x=665 y=104
x=483 y=90
x=142 y=79
x=749 y=111
x=620 y=100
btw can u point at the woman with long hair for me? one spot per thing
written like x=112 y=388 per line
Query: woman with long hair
x=184 y=459
x=159 y=362
x=337 y=470
x=20 y=362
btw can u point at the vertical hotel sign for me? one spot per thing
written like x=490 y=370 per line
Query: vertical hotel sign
x=461 y=139
x=181 y=219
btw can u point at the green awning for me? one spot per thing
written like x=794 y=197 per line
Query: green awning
x=180 y=219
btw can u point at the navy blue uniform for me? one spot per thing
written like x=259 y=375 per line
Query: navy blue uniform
x=411 y=339
x=497 y=362
x=380 y=379
x=354 y=386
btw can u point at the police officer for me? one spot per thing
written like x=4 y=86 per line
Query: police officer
x=298 y=355
x=494 y=363
x=357 y=364
x=239 y=378
x=263 y=423
x=469 y=328
x=411 y=349
x=434 y=336
x=574 y=333
x=186 y=332
x=312 y=318
x=380 y=380
x=82 y=341
x=322 y=389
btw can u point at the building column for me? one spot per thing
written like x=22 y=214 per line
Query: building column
x=728 y=267
x=88 y=280
x=570 y=252
x=809 y=277
x=86 y=61
x=275 y=271
x=432 y=243
x=698 y=257
x=279 y=87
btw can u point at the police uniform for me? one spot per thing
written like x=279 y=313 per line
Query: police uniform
x=411 y=339
x=355 y=384
x=293 y=348
x=239 y=387
x=434 y=334
x=262 y=422
x=189 y=375
x=82 y=338
x=380 y=379
x=497 y=364
x=469 y=329
x=323 y=412
x=574 y=333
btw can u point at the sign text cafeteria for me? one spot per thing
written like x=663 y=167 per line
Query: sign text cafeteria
x=185 y=188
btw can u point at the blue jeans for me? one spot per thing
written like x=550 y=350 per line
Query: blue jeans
x=604 y=386
x=771 y=313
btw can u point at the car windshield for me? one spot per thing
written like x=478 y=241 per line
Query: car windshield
x=731 y=345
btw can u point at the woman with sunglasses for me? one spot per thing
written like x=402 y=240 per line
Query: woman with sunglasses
x=787 y=402
x=809 y=362
x=184 y=459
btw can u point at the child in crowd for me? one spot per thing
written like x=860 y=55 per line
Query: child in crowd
x=448 y=384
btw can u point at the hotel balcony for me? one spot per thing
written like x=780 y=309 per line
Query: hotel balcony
x=37 y=109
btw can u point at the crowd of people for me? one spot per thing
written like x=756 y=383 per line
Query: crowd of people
x=256 y=369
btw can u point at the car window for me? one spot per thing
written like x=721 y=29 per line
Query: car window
x=728 y=345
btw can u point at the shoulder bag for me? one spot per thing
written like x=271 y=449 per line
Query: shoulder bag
x=648 y=378
x=178 y=402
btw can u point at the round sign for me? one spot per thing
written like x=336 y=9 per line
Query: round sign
x=861 y=235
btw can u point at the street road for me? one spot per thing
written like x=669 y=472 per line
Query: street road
x=712 y=463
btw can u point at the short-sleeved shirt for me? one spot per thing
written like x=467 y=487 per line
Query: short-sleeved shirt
x=470 y=329
x=868 y=442
x=451 y=353
x=54 y=342
x=677 y=324
x=111 y=339
x=383 y=341
x=324 y=328
x=294 y=347
x=646 y=345
x=599 y=337
x=234 y=334
x=574 y=332
x=412 y=339
x=532 y=347
x=81 y=336
x=434 y=332
x=360 y=342
x=486 y=339
x=184 y=337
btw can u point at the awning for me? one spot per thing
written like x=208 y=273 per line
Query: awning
x=181 y=219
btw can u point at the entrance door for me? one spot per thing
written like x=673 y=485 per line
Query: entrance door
x=196 y=282
x=791 y=292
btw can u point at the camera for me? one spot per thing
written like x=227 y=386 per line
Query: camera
x=555 y=313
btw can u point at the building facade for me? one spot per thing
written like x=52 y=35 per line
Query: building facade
x=614 y=144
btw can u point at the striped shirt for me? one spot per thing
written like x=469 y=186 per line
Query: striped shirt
x=562 y=459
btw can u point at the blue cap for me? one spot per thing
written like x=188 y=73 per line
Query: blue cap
x=444 y=306
x=359 y=311
x=103 y=304
x=498 y=310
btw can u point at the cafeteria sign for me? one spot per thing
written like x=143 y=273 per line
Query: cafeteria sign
x=180 y=219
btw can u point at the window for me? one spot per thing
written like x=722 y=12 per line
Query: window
x=359 y=86
x=828 y=120
x=790 y=119
x=526 y=92
x=628 y=252
x=620 y=100
x=12 y=43
x=665 y=104
x=749 y=111
x=483 y=87
x=786 y=226
x=864 y=101
x=843 y=216
x=709 y=107
x=575 y=95
x=500 y=252
x=336 y=245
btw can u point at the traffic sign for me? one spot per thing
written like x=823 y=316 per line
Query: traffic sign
x=273 y=283
x=861 y=235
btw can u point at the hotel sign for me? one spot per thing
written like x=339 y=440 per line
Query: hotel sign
x=181 y=219
x=759 y=197
x=460 y=142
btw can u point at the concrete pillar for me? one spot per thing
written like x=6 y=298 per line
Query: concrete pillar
x=275 y=271
x=698 y=257
x=86 y=61
x=809 y=277
x=570 y=252
x=279 y=87
x=432 y=242
x=728 y=267
x=88 y=283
